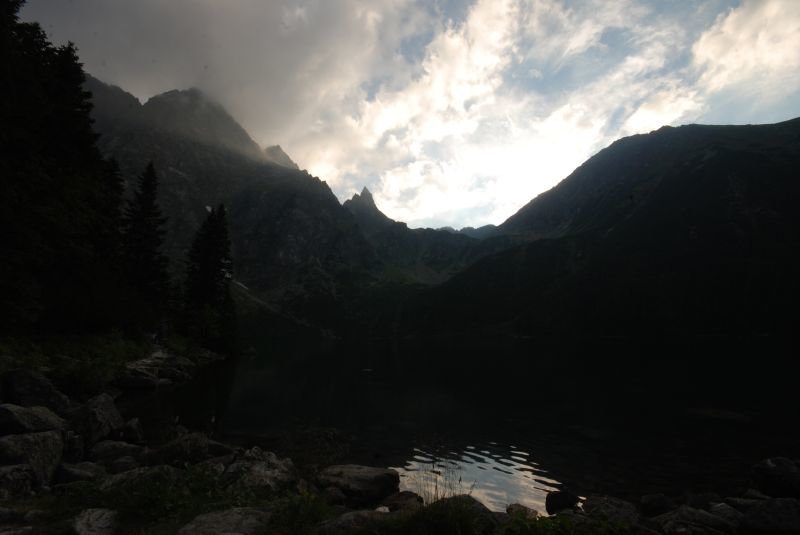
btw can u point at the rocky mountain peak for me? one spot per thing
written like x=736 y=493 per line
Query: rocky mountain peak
x=370 y=218
x=277 y=155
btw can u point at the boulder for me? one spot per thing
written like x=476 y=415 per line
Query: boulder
x=74 y=447
x=29 y=388
x=17 y=419
x=480 y=519
x=778 y=477
x=140 y=479
x=519 y=510
x=239 y=520
x=25 y=530
x=42 y=451
x=97 y=419
x=401 y=501
x=190 y=448
x=560 y=500
x=10 y=515
x=261 y=470
x=778 y=516
x=361 y=484
x=334 y=496
x=85 y=471
x=611 y=509
x=686 y=520
x=95 y=522
x=702 y=500
x=16 y=481
x=352 y=522
x=742 y=504
x=656 y=504
x=723 y=510
x=132 y=431
x=108 y=450
x=123 y=464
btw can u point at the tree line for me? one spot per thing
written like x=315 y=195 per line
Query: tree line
x=75 y=255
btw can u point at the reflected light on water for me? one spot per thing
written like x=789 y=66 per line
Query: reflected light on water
x=495 y=474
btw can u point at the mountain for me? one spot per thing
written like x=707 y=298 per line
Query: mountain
x=692 y=231
x=293 y=245
x=370 y=218
x=275 y=154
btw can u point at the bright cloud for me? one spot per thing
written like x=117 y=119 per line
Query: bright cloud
x=452 y=113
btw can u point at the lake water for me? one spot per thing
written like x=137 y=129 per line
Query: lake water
x=501 y=437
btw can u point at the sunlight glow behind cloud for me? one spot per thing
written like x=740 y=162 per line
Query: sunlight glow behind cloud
x=451 y=114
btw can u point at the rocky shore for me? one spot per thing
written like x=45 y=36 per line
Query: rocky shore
x=83 y=468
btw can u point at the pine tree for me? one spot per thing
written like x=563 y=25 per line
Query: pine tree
x=142 y=240
x=209 y=307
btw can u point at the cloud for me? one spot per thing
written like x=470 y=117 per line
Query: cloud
x=453 y=113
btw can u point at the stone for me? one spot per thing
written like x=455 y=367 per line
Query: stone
x=190 y=448
x=108 y=450
x=656 y=504
x=123 y=464
x=140 y=479
x=754 y=494
x=84 y=471
x=97 y=419
x=519 y=510
x=611 y=509
x=777 y=515
x=702 y=500
x=95 y=522
x=132 y=431
x=723 y=510
x=560 y=500
x=29 y=388
x=74 y=447
x=25 y=530
x=402 y=501
x=261 y=470
x=16 y=481
x=742 y=504
x=334 y=496
x=686 y=519
x=17 y=419
x=41 y=451
x=480 y=518
x=361 y=485
x=352 y=522
x=10 y=515
x=778 y=477
x=239 y=520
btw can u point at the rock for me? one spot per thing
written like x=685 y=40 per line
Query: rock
x=16 y=481
x=656 y=504
x=25 y=530
x=190 y=448
x=481 y=520
x=140 y=478
x=32 y=389
x=108 y=450
x=10 y=515
x=352 y=522
x=218 y=449
x=17 y=419
x=97 y=419
x=742 y=504
x=123 y=464
x=560 y=500
x=778 y=477
x=702 y=500
x=754 y=494
x=42 y=451
x=74 y=447
x=258 y=469
x=85 y=471
x=95 y=522
x=519 y=510
x=334 y=496
x=34 y=515
x=361 y=484
x=723 y=510
x=778 y=515
x=611 y=509
x=239 y=520
x=132 y=431
x=686 y=520
x=401 y=501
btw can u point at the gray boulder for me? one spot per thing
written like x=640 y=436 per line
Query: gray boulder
x=140 y=479
x=85 y=471
x=612 y=509
x=656 y=504
x=239 y=520
x=560 y=500
x=132 y=431
x=361 y=484
x=98 y=418
x=778 y=516
x=480 y=518
x=42 y=451
x=74 y=447
x=108 y=450
x=352 y=522
x=123 y=464
x=16 y=481
x=95 y=522
x=18 y=419
x=723 y=510
x=519 y=510
x=260 y=470
x=189 y=448
x=29 y=388
x=685 y=520
x=402 y=501
x=778 y=477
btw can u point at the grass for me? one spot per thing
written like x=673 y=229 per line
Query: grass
x=441 y=480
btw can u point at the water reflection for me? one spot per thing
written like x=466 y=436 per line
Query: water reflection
x=495 y=474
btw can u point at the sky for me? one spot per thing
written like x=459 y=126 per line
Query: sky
x=451 y=112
